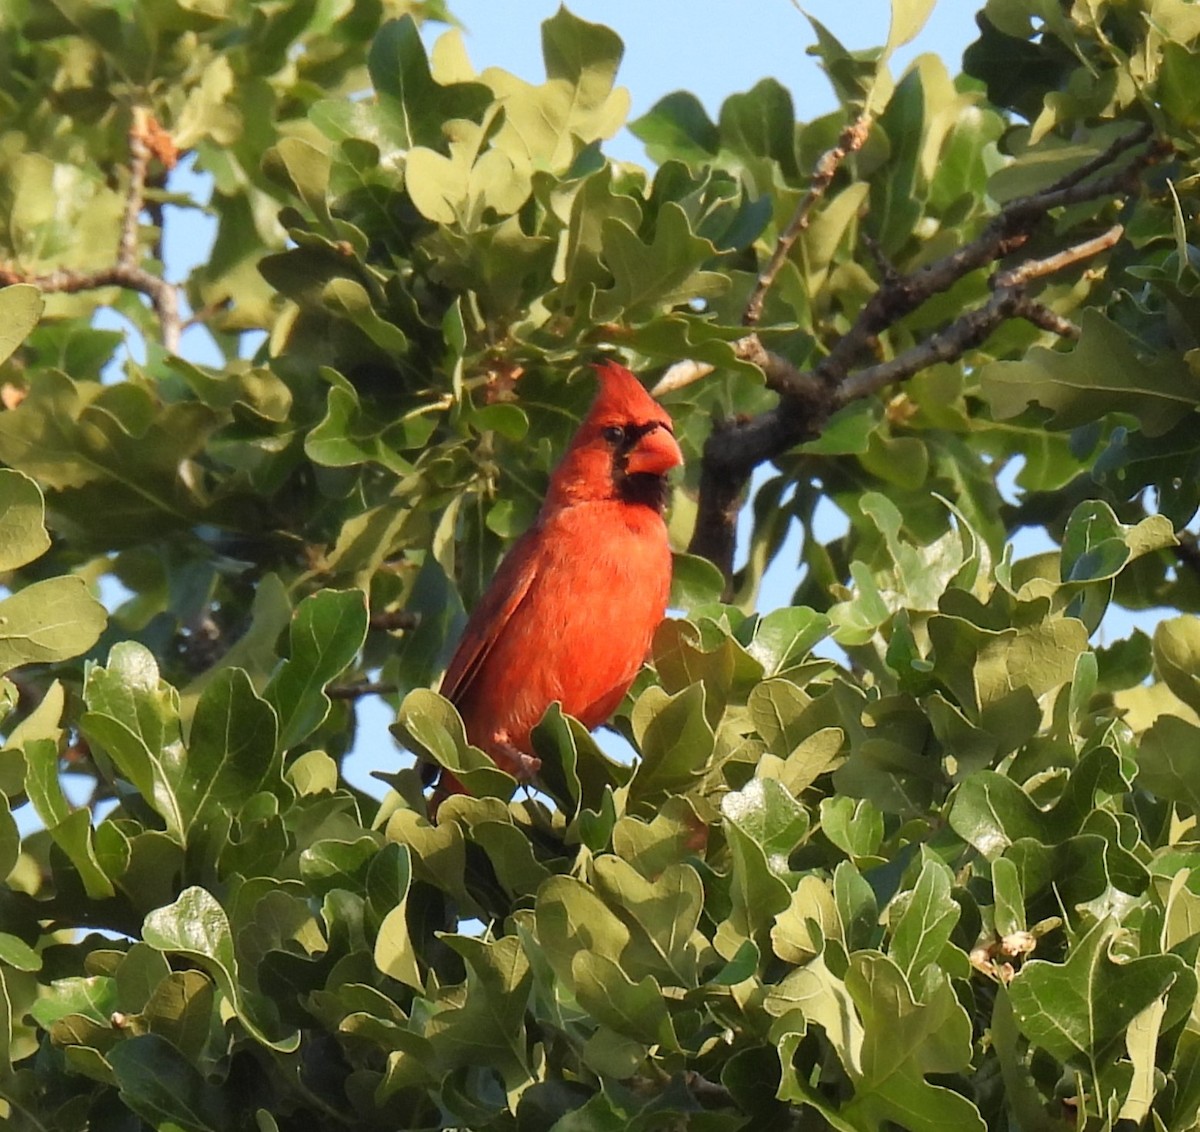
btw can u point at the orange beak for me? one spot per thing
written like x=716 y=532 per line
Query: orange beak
x=654 y=454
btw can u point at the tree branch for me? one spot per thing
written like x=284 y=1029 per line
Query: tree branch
x=146 y=139
x=357 y=691
x=808 y=398
x=850 y=141
x=973 y=328
x=393 y=619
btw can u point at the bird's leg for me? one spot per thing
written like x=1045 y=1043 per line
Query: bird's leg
x=513 y=761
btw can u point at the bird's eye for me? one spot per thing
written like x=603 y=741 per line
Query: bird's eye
x=614 y=434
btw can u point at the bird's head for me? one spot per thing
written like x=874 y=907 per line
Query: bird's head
x=623 y=450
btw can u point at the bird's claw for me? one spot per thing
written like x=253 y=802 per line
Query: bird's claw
x=512 y=761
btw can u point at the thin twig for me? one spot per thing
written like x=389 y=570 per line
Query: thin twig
x=390 y=620
x=706 y=1091
x=1188 y=551
x=850 y=141
x=683 y=373
x=1103 y=160
x=135 y=199
x=145 y=141
x=357 y=691
x=1067 y=257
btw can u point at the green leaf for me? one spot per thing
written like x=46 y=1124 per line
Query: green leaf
x=17 y=953
x=10 y=837
x=23 y=534
x=163 y=1086
x=765 y=811
x=21 y=306
x=757 y=891
x=327 y=631
x=761 y=123
x=675 y=740
x=231 y=747
x=777 y=709
x=1096 y=546
x=574 y=768
x=675 y=833
x=684 y=655
x=429 y=725
x=545 y=126
x=196 y=926
x=1078 y=1006
x=667 y=909
x=307 y=169
x=1104 y=373
x=1141 y=1040
x=489 y=1027
x=334 y=863
x=70 y=829
x=414 y=104
x=180 y=1009
x=570 y=918
x=116 y=455
x=908 y=18
x=694 y=581
x=992 y=812
x=651 y=278
x=133 y=717
x=854 y=825
x=350 y=300
x=469 y=184
x=677 y=127
x=394 y=953
x=856 y=620
x=903 y=1041
x=49 y=621
x=821 y=998
x=635 y=1010
x=1165 y=761
x=924 y=926
x=801 y=929
x=1176 y=645
x=1178 y=82
x=784 y=637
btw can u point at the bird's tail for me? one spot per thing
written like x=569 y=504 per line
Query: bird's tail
x=446 y=785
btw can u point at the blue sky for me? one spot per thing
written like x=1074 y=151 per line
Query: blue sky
x=713 y=48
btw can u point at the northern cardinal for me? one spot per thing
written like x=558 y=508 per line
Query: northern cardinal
x=571 y=610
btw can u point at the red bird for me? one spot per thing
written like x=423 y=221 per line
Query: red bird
x=571 y=610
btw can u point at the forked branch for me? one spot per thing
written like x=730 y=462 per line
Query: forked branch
x=146 y=140
x=807 y=398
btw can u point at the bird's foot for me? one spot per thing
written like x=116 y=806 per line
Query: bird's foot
x=512 y=761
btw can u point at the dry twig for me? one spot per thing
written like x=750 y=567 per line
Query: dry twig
x=851 y=140
x=146 y=139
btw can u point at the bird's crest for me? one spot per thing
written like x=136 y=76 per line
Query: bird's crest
x=622 y=396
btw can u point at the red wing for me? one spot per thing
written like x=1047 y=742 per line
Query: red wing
x=508 y=589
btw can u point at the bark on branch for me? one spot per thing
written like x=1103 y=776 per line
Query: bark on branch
x=146 y=140
x=807 y=398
